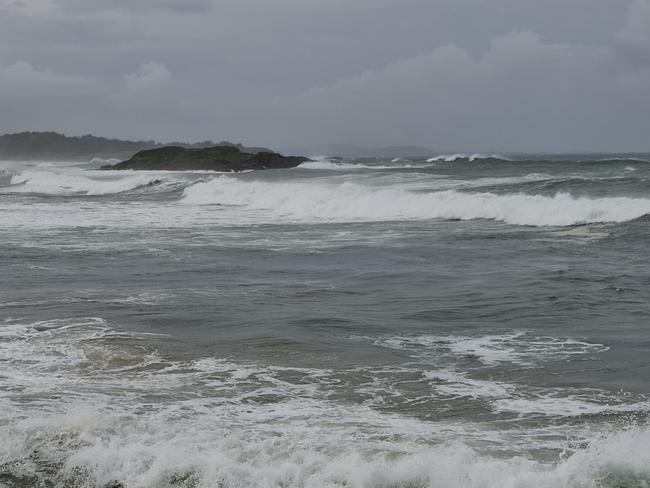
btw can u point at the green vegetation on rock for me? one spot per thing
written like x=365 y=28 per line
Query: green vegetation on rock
x=52 y=146
x=215 y=158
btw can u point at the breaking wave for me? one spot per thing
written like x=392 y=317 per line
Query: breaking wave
x=138 y=419
x=49 y=183
x=101 y=161
x=326 y=164
x=309 y=202
x=451 y=158
x=538 y=158
x=331 y=165
x=203 y=455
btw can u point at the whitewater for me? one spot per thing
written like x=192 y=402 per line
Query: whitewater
x=462 y=320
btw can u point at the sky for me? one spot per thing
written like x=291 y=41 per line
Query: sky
x=461 y=75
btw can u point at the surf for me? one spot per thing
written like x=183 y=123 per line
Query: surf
x=330 y=201
x=82 y=183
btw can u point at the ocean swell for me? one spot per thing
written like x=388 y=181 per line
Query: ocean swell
x=51 y=183
x=332 y=202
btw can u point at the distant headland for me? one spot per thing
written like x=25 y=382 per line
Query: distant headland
x=53 y=146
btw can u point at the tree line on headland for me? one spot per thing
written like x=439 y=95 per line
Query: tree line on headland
x=55 y=146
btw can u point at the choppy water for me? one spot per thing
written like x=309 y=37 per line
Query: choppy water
x=456 y=322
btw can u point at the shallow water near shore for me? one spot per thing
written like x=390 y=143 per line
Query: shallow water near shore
x=457 y=321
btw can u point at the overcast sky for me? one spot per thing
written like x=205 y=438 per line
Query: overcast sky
x=470 y=75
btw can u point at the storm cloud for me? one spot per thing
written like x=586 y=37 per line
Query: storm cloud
x=471 y=75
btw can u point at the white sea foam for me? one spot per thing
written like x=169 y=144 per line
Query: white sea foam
x=330 y=165
x=510 y=348
x=322 y=201
x=455 y=383
x=113 y=410
x=523 y=401
x=52 y=183
x=450 y=158
x=326 y=164
x=509 y=180
x=565 y=406
x=98 y=161
x=516 y=349
x=95 y=448
x=311 y=200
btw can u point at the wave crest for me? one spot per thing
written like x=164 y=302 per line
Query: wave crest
x=182 y=454
x=49 y=183
x=329 y=202
x=451 y=158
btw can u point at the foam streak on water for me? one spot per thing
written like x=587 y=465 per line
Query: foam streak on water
x=198 y=423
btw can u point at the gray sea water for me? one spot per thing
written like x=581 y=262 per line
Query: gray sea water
x=453 y=322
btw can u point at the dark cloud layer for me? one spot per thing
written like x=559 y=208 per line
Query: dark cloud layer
x=566 y=75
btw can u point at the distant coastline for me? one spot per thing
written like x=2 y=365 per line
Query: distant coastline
x=354 y=151
x=54 y=146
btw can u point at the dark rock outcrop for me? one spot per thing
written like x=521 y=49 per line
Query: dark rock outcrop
x=216 y=158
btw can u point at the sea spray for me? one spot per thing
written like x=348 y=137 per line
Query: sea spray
x=348 y=201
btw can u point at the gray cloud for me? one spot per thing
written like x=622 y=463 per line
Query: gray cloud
x=27 y=7
x=21 y=82
x=634 y=37
x=521 y=94
x=461 y=74
x=147 y=80
x=144 y=7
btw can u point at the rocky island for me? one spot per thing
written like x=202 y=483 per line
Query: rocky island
x=52 y=146
x=216 y=158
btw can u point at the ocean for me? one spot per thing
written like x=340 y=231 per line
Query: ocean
x=458 y=321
